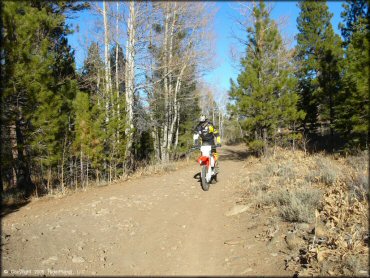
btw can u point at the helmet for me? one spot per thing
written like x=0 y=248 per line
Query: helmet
x=202 y=118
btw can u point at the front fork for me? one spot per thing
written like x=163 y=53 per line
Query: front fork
x=211 y=168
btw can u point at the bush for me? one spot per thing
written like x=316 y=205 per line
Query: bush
x=256 y=146
x=12 y=197
x=286 y=170
x=359 y=162
x=359 y=186
x=325 y=172
x=352 y=264
x=296 y=206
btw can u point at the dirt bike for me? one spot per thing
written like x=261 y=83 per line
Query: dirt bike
x=208 y=162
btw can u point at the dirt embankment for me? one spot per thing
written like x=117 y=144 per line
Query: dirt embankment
x=158 y=225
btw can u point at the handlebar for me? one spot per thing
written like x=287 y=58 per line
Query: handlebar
x=198 y=147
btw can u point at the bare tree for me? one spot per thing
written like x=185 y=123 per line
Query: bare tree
x=108 y=78
x=182 y=51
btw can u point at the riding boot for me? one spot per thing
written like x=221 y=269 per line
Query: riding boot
x=217 y=168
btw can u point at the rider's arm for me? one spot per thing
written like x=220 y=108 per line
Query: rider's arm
x=196 y=136
x=213 y=130
x=196 y=139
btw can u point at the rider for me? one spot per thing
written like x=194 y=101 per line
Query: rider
x=207 y=132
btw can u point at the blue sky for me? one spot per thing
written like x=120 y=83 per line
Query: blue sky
x=225 y=66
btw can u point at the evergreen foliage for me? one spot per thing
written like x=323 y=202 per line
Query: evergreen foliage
x=61 y=127
x=264 y=96
x=39 y=84
x=353 y=105
x=318 y=54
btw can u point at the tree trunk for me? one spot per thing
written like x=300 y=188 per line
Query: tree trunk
x=170 y=97
x=213 y=112
x=76 y=173
x=177 y=127
x=21 y=172
x=331 y=119
x=164 y=153
x=294 y=136
x=219 y=120
x=117 y=45
x=87 y=171
x=63 y=160
x=81 y=168
x=130 y=85
x=265 y=149
x=14 y=146
x=176 y=105
x=49 y=179
x=108 y=81
x=97 y=176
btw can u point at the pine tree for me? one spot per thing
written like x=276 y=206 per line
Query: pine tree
x=354 y=16
x=264 y=95
x=92 y=74
x=39 y=85
x=120 y=69
x=108 y=150
x=318 y=55
x=189 y=113
x=83 y=131
x=353 y=105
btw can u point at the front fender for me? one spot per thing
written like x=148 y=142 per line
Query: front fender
x=203 y=160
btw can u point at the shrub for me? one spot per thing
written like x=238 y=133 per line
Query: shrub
x=325 y=171
x=271 y=169
x=359 y=186
x=12 y=197
x=256 y=146
x=353 y=264
x=296 y=206
x=286 y=170
x=359 y=162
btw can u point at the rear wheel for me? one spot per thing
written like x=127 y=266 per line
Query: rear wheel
x=205 y=185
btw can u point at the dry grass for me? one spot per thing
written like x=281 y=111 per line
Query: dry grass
x=295 y=206
x=359 y=162
x=331 y=193
x=11 y=198
x=325 y=171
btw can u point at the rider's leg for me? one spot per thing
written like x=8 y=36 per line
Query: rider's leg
x=215 y=154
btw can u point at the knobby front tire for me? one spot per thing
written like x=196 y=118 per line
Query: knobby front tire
x=205 y=185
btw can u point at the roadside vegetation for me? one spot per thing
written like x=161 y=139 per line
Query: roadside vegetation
x=303 y=114
x=324 y=200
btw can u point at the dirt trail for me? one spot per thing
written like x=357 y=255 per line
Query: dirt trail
x=157 y=225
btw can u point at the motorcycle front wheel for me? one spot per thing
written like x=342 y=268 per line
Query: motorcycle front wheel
x=205 y=184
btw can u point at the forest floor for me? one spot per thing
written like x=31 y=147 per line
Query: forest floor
x=163 y=224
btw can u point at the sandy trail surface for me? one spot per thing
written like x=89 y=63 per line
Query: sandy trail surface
x=155 y=225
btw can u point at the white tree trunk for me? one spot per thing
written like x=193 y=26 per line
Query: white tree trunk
x=177 y=127
x=81 y=168
x=174 y=120
x=108 y=81
x=130 y=81
x=164 y=152
x=117 y=45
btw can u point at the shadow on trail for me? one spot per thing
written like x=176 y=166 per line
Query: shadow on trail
x=234 y=155
x=8 y=209
x=198 y=178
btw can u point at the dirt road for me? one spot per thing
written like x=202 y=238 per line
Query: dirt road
x=157 y=225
